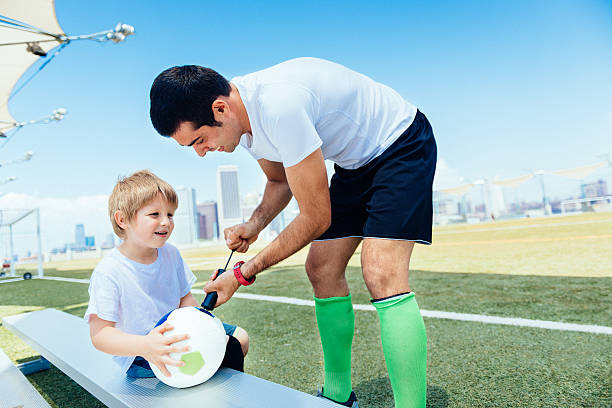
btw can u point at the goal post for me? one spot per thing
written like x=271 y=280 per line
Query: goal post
x=22 y=225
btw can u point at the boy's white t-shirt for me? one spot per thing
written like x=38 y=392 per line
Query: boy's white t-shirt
x=134 y=295
x=302 y=104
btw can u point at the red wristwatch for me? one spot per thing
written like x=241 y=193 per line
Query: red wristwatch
x=238 y=274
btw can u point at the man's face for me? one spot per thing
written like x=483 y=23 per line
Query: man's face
x=206 y=139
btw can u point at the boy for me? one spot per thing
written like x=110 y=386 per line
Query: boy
x=142 y=280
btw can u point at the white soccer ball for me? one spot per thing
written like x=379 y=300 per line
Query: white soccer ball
x=207 y=344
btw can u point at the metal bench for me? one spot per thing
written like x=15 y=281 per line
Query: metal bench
x=63 y=339
x=15 y=390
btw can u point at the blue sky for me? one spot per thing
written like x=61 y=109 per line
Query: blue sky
x=507 y=85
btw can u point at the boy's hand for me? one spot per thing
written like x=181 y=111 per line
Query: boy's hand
x=158 y=348
x=239 y=237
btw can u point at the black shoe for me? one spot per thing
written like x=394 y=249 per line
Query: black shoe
x=352 y=401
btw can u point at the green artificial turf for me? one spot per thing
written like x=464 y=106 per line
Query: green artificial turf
x=469 y=364
x=554 y=246
x=572 y=300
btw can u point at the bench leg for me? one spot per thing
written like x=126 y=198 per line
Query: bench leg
x=34 y=366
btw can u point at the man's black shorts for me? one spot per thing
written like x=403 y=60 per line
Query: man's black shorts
x=391 y=196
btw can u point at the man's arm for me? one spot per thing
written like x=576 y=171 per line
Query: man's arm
x=308 y=182
x=277 y=195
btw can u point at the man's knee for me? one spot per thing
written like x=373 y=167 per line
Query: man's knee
x=323 y=272
x=385 y=281
x=326 y=277
x=314 y=268
x=375 y=274
x=385 y=265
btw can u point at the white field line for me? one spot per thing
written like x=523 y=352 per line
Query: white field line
x=516 y=227
x=53 y=278
x=11 y=280
x=57 y=278
x=509 y=321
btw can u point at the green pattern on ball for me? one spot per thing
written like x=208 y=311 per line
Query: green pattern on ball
x=193 y=363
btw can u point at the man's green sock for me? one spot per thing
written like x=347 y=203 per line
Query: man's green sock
x=336 y=321
x=404 y=342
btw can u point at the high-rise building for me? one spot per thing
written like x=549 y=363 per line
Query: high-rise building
x=208 y=223
x=497 y=204
x=248 y=204
x=90 y=242
x=596 y=189
x=228 y=196
x=185 y=218
x=79 y=236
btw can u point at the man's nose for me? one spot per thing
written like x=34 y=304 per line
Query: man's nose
x=201 y=150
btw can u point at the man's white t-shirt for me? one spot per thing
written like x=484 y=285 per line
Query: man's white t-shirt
x=134 y=295
x=302 y=104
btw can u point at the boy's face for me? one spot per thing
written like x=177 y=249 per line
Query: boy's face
x=152 y=225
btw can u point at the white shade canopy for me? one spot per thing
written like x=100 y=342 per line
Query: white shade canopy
x=579 y=173
x=460 y=190
x=513 y=182
x=16 y=59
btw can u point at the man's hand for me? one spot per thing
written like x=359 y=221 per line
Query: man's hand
x=225 y=285
x=239 y=237
x=158 y=348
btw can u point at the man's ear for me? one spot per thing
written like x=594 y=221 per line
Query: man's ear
x=120 y=219
x=220 y=108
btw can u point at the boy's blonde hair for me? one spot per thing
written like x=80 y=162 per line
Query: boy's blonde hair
x=134 y=192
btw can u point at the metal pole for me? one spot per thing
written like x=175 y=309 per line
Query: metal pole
x=516 y=199
x=484 y=199
x=41 y=273
x=544 y=200
x=11 y=248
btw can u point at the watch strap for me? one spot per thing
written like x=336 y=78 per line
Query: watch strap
x=239 y=277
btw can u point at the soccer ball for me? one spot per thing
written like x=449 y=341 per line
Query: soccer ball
x=207 y=344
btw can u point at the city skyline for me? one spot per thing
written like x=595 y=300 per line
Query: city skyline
x=497 y=201
x=510 y=88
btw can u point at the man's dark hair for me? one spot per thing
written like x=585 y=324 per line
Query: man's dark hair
x=185 y=94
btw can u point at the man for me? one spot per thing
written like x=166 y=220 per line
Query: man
x=290 y=117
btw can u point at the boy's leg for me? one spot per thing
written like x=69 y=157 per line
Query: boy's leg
x=236 y=348
x=243 y=337
x=140 y=368
x=233 y=357
x=325 y=265
x=385 y=270
x=240 y=334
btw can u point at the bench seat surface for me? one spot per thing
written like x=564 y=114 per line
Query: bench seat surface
x=63 y=339
x=15 y=389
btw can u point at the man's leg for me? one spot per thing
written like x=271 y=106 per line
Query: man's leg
x=385 y=265
x=325 y=265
